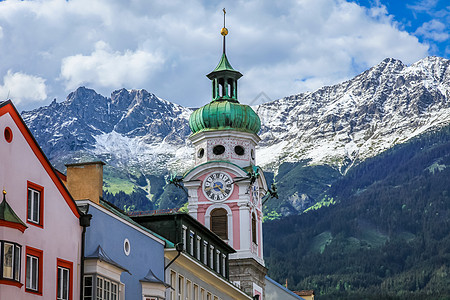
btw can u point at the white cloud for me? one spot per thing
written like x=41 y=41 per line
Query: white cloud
x=21 y=87
x=111 y=69
x=434 y=30
x=167 y=47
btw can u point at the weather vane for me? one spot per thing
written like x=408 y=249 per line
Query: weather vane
x=224 y=30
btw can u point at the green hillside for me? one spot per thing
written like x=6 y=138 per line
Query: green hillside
x=387 y=236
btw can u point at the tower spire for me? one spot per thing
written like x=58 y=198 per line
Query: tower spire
x=224 y=30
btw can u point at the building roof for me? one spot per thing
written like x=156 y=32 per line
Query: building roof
x=188 y=219
x=224 y=115
x=8 y=107
x=9 y=217
x=151 y=277
x=224 y=112
x=101 y=255
x=283 y=288
x=224 y=65
x=117 y=212
x=305 y=293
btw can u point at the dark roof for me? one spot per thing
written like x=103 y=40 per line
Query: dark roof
x=7 y=213
x=151 y=277
x=305 y=292
x=101 y=255
x=188 y=219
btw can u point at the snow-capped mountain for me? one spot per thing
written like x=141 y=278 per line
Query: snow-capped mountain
x=351 y=121
x=336 y=125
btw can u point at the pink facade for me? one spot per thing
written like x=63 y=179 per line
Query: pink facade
x=52 y=238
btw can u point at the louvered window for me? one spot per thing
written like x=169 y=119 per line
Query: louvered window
x=219 y=223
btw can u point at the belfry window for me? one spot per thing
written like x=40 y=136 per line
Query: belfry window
x=219 y=223
x=254 y=239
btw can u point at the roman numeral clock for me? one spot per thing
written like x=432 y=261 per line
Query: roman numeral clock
x=218 y=186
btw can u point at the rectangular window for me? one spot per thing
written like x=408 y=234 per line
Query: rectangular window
x=105 y=289
x=198 y=247
x=208 y=296
x=195 y=292
x=205 y=252
x=224 y=258
x=202 y=294
x=88 y=288
x=33 y=270
x=184 y=237
x=64 y=279
x=217 y=261
x=11 y=261
x=99 y=288
x=188 y=290
x=191 y=243
x=180 y=287
x=173 y=277
x=211 y=257
x=35 y=204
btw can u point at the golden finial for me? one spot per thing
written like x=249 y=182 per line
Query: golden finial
x=224 y=30
x=4 y=192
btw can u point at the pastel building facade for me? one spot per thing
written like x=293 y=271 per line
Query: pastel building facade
x=40 y=234
x=122 y=259
x=225 y=186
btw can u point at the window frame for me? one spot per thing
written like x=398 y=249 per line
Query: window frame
x=65 y=265
x=16 y=264
x=107 y=285
x=254 y=229
x=39 y=189
x=38 y=254
x=219 y=222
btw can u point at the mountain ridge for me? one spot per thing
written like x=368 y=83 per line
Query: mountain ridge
x=137 y=133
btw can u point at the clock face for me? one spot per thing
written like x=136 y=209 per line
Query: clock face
x=218 y=186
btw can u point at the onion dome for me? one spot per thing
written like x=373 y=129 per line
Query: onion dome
x=224 y=112
x=223 y=115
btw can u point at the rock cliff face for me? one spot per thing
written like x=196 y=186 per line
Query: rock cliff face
x=359 y=118
x=337 y=125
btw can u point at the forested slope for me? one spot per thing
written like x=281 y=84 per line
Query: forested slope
x=388 y=235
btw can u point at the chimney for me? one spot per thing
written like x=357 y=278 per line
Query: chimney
x=85 y=180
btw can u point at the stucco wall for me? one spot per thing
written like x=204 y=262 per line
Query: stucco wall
x=110 y=232
x=60 y=236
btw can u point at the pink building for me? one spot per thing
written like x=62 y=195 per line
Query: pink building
x=40 y=235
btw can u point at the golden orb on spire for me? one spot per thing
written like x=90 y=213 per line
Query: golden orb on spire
x=224 y=31
x=4 y=192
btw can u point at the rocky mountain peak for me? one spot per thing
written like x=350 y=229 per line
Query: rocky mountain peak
x=338 y=125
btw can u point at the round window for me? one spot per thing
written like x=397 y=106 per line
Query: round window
x=200 y=153
x=126 y=247
x=8 y=134
x=253 y=154
x=218 y=150
x=239 y=150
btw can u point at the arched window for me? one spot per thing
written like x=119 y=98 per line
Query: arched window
x=219 y=223
x=254 y=228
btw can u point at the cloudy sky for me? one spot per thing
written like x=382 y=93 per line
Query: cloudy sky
x=49 y=48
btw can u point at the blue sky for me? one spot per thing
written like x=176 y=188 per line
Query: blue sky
x=49 y=48
x=428 y=20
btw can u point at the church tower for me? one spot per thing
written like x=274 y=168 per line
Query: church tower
x=225 y=186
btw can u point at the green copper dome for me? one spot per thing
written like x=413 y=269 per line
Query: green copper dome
x=223 y=115
x=224 y=112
